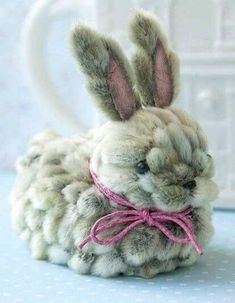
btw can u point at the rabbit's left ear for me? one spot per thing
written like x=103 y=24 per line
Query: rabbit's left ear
x=109 y=74
x=156 y=66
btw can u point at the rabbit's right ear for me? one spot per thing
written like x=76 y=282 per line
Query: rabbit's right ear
x=156 y=66
x=109 y=74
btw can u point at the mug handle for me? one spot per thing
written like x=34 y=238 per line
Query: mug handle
x=34 y=37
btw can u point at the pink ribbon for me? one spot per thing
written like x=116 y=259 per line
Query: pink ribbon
x=127 y=219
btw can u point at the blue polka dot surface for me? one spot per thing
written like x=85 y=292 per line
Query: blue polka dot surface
x=23 y=280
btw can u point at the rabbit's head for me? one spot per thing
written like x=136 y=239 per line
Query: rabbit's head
x=151 y=153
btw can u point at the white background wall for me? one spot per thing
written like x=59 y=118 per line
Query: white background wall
x=21 y=113
x=203 y=32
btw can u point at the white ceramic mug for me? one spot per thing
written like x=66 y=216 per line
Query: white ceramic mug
x=35 y=34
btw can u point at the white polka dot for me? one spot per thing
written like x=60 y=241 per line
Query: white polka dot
x=48 y=286
x=112 y=289
x=100 y=284
x=144 y=291
x=28 y=290
x=177 y=292
x=60 y=292
x=158 y=296
x=106 y=298
x=139 y=300
x=164 y=287
x=132 y=286
x=182 y=284
x=222 y=269
x=120 y=281
x=39 y=296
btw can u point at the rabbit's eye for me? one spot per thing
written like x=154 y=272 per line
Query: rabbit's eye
x=142 y=167
x=190 y=185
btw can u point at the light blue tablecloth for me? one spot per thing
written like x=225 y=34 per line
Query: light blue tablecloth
x=23 y=280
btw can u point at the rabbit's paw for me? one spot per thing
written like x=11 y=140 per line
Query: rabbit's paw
x=57 y=255
x=81 y=262
x=152 y=268
x=109 y=265
x=140 y=246
x=186 y=257
x=38 y=246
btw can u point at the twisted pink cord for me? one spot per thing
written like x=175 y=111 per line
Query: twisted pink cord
x=133 y=216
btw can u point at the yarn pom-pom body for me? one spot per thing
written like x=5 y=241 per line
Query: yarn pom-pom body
x=150 y=153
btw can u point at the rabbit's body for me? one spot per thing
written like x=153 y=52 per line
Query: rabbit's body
x=152 y=155
x=55 y=202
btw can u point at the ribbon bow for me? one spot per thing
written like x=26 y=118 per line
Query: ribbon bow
x=127 y=219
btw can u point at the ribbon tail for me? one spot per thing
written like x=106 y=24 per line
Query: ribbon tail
x=186 y=226
x=80 y=245
x=191 y=235
x=197 y=247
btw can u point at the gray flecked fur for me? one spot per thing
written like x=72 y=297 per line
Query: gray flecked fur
x=93 y=52
x=145 y=32
x=55 y=203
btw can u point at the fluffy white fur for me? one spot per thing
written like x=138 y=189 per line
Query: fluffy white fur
x=55 y=202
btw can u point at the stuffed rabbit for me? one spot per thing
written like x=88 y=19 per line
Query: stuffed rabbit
x=133 y=196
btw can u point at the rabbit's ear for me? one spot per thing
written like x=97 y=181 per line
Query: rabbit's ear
x=109 y=74
x=156 y=67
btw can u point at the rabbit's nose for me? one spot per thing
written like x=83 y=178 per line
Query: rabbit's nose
x=190 y=185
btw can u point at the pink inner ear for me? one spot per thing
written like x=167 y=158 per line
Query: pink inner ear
x=163 y=78
x=121 y=91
